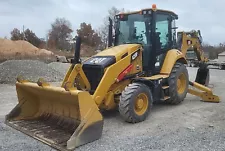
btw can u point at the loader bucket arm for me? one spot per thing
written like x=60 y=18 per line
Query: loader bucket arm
x=63 y=119
x=205 y=94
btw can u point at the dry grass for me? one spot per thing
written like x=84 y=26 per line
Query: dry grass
x=19 y=56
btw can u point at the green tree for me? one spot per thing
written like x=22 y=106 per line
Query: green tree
x=60 y=34
x=89 y=35
x=31 y=37
x=103 y=30
x=16 y=35
x=27 y=35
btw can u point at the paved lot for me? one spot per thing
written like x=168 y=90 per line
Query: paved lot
x=192 y=125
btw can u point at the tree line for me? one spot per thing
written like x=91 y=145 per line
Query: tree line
x=59 y=37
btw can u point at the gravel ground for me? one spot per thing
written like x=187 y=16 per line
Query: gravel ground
x=60 y=67
x=192 y=125
x=29 y=69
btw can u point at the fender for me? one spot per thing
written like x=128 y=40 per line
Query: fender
x=171 y=58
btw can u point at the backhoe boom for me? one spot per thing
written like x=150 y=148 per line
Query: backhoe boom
x=192 y=40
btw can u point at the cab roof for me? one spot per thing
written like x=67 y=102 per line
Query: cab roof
x=147 y=9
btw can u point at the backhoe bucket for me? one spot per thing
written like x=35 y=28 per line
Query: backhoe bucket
x=202 y=76
x=62 y=119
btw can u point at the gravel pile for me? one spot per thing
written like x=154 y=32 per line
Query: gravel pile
x=29 y=69
x=60 y=67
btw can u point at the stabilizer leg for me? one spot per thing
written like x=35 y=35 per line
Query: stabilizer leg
x=206 y=93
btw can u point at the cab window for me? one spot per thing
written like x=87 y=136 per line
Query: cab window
x=162 y=24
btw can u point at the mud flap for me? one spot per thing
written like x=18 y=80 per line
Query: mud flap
x=61 y=119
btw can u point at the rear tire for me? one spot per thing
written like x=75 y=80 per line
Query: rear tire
x=135 y=103
x=178 y=83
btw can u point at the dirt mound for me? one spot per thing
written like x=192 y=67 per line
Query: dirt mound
x=20 y=46
x=29 y=69
x=22 y=50
x=87 y=51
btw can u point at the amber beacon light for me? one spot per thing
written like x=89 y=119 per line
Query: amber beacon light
x=154 y=6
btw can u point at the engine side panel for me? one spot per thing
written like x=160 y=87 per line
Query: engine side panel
x=95 y=67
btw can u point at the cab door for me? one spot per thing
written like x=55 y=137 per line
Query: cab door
x=163 y=38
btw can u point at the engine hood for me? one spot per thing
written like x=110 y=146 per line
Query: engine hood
x=119 y=51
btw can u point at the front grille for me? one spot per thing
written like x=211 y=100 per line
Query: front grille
x=94 y=74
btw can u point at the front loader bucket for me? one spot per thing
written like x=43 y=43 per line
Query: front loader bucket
x=62 y=119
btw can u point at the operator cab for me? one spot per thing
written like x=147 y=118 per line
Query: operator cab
x=153 y=28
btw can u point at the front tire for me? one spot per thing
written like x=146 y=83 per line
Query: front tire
x=178 y=83
x=135 y=103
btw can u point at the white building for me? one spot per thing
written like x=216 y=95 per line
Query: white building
x=221 y=57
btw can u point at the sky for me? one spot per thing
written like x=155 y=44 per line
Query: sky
x=205 y=15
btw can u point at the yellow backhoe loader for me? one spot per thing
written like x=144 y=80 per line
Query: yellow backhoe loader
x=144 y=64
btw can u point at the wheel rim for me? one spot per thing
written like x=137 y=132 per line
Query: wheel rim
x=141 y=104
x=181 y=83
